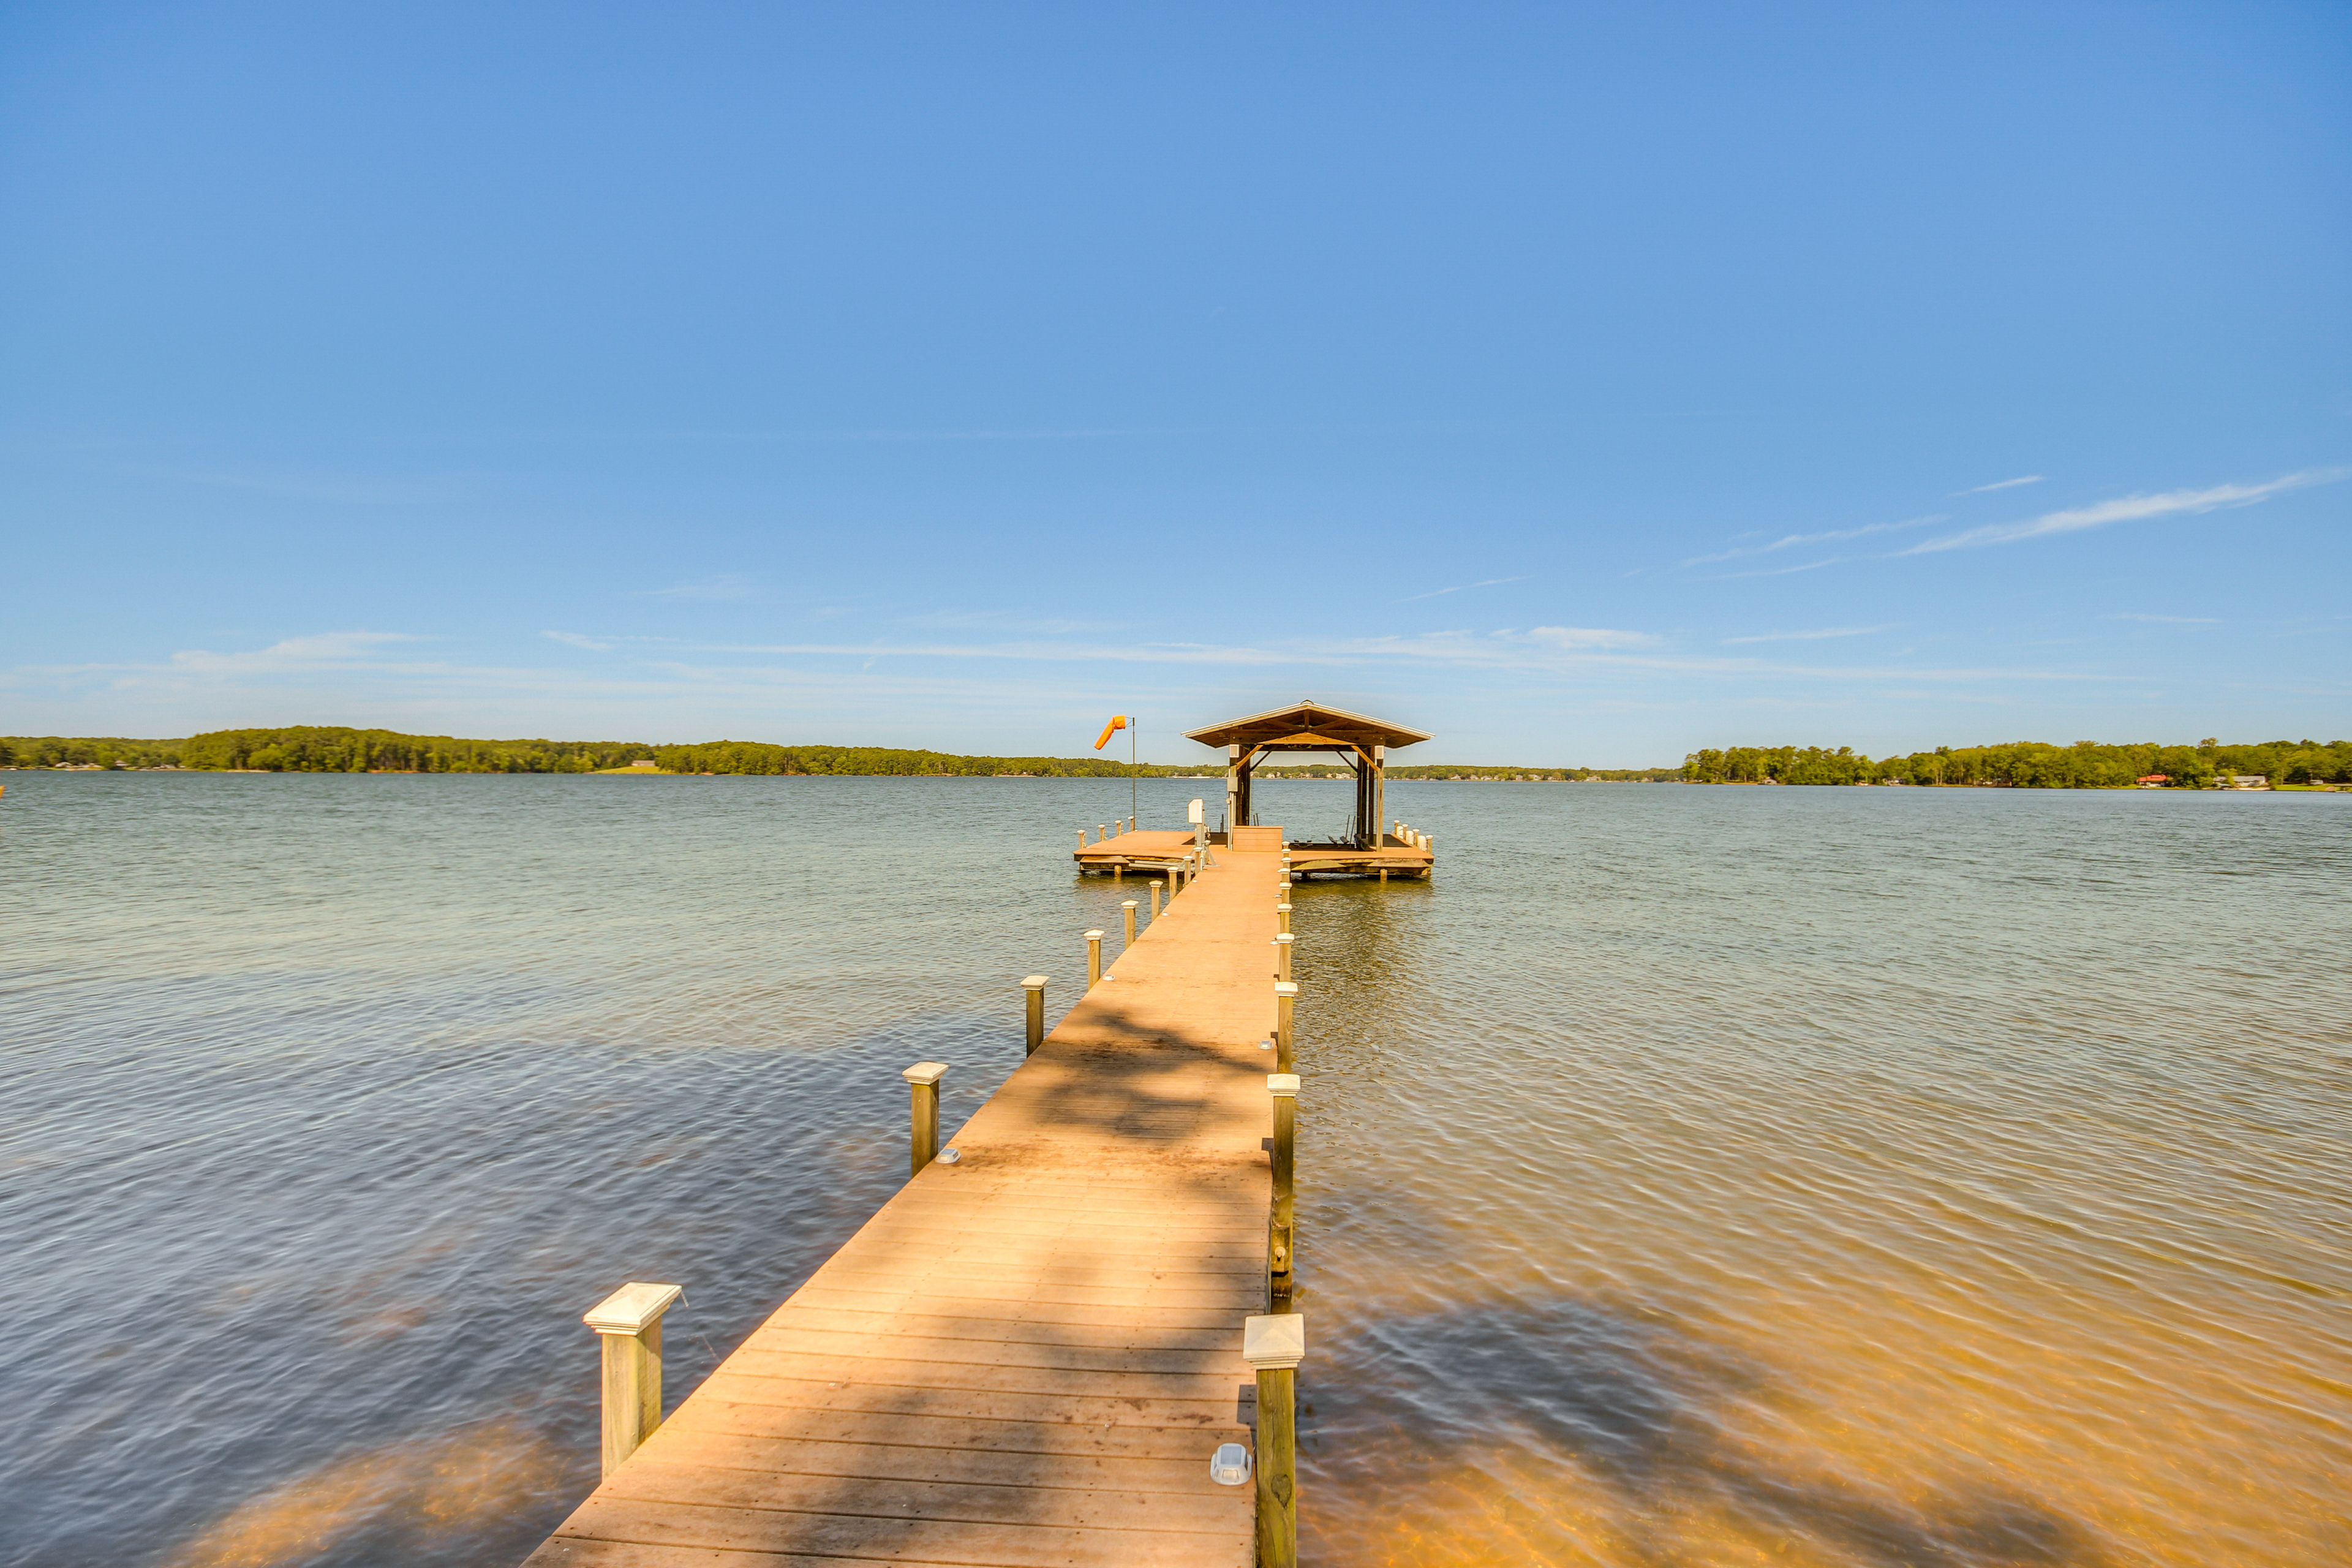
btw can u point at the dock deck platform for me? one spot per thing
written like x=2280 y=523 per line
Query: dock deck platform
x=1150 y=851
x=1026 y=1357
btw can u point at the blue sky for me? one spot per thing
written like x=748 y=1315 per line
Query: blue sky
x=1583 y=383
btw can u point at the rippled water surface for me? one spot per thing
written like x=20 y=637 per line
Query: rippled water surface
x=1690 y=1176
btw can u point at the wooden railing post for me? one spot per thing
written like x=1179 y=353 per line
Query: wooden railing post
x=1036 y=985
x=1094 y=959
x=1282 y=1241
x=628 y=1324
x=1157 y=884
x=1285 y=997
x=1274 y=1344
x=1282 y=946
x=1282 y=912
x=1128 y=907
x=923 y=1146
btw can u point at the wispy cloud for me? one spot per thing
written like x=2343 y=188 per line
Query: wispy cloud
x=574 y=639
x=2125 y=509
x=1814 y=636
x=2003 y=485
x=1437 y=592
x=324 y=649
x=1782 y=571
x=1791 y=542
x=725 y=585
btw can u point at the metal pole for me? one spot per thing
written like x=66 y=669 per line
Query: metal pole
x=628 y=1324
x=924 y=1145
x=1273 y=1345
x=1094 y=959
x=1036 y=985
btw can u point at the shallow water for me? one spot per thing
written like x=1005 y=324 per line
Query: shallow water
x=1690 y=1176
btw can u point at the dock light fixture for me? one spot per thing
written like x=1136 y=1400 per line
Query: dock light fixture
x=1229 y=1465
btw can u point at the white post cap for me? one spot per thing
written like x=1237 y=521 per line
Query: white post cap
x=1126 y=903
x=1282 y=1085
x=1285 y=936
x=1034 y=982
x=1286 y=988
x=1274 y=1340
x=925 y=1072
x=631 y=1309
x=1093 y=936
x=1283 y=908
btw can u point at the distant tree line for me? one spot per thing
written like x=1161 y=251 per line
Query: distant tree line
x=2030 y=765
x=1468 y=773
x=333 y=749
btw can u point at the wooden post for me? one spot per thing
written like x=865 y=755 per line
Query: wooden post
x=1385 y=876
x=1273 y=1345
x=1285 y=995
x=1082 y=838
x=1282 y=946
x=1282 y=1245
x=924 y=1146
x=1102 y=832
x=628 y=1323
x=1094 y=959
x=1157 y=883
x=1282 y=913
x=1127 y=907
x=1118 y=872
x=1036 y=985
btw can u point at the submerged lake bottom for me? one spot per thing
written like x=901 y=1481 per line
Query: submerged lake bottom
x=1687 y=1176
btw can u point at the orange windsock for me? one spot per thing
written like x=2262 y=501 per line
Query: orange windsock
x=1113 y=728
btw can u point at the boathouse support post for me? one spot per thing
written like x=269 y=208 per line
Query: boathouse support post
x=1285 y=995
x=1126 y=908
x=628 y=1325
x=1036 y=985
x=1282 y=1241
x=1094 y=959
x=1274 y=1344
x=923 y=1143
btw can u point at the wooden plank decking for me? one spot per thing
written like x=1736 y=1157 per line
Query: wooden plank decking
x=1027 y=1357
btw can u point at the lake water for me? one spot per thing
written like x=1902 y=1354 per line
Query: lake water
x=1688 y=1176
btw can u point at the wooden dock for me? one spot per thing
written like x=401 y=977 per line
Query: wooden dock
x=1150 y=852
x=1027 y=1356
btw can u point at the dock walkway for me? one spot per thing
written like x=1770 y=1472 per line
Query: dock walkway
x=1026 y=1357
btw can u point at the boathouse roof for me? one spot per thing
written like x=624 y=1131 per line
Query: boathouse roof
x=1307 y=727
